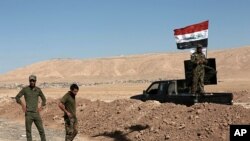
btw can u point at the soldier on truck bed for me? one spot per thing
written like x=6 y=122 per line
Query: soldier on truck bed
x=199 y=61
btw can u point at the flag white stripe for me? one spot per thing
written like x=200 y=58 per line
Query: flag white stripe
x=192 y=36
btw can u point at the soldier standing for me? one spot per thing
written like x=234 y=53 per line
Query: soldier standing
x=68 y=105
x=30 y=108
x=199 y=60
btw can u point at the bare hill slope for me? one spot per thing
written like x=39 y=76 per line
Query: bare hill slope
x=231 y=64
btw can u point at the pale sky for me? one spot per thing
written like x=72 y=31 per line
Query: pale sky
x=33 y=31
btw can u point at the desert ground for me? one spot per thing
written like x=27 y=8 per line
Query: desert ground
x=105 y=110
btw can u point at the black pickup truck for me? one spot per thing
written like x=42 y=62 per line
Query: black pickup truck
x=178 y=91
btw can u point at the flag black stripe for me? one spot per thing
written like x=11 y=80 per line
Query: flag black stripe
x=192 y=44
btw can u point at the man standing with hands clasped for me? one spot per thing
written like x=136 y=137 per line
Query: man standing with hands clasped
x=30 y=107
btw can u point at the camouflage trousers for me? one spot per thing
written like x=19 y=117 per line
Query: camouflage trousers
x=71 y=128
x=31 y=117
x=198 y=80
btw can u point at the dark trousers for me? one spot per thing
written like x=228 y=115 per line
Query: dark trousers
x=71 y=128
x=31 y=117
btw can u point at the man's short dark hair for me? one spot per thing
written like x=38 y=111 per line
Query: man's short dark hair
x=74 y=86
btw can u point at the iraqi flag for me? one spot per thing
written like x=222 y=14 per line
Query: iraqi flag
x=192 y=35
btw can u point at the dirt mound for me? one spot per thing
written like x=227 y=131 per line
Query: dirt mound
x=135 y=120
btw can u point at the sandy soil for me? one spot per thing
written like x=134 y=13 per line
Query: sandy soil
x=105 y=111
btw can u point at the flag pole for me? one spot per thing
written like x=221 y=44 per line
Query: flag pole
x=206 y=52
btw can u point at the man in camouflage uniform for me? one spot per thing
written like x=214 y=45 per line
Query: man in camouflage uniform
x=31 y=110
x=199 y=60
x=68 y=105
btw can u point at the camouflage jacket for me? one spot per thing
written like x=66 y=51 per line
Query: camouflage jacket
x=198 y=57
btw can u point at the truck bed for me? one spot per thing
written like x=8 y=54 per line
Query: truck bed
x=220 y=98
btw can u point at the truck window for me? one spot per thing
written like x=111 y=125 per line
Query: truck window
x=163 y=87
x=153 y=89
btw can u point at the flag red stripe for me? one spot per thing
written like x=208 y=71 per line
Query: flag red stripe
x=192 y=28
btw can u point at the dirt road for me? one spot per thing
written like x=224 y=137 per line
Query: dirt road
x=13 y=131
